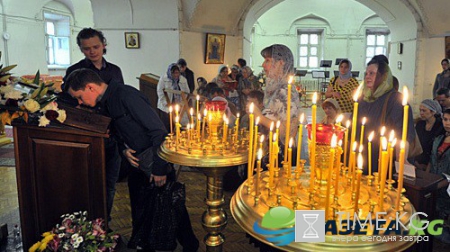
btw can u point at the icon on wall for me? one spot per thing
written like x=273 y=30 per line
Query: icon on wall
x=132 y=40
x=215 y=48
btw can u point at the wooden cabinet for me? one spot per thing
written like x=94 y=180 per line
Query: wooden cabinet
x=59 y=170
x=147 y=85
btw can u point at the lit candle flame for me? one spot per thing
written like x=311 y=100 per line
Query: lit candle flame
x=340 y=118
x=361 y=148
x=271 y=126
x=405 y=96
x=314 y=98
x=251 y=108
x=259 y=154
x=198 y=97
x=402 y=145
x=394 y=142
x=347 y=124
x=364 y=121
x=355 y=144
x=257 y=121
x=384 y=144
x=176 y=119
x=391 y=136
x=224 y=117
x=358 y=90
x=302 y=118
x=360 y=161
x=191 y=111
x=291 y=142
x=177 y=108
x=261 y=139
x=170 y=109
x=205 y=112
x=371 y=135
x=291 y=78
x=383 y=130
x=333 y=141
x=274 y=137
x=199 y=116
x=238 y=115
x=340 y=142
x=226 y=120
x=278 y=124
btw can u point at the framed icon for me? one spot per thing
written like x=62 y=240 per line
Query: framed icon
x=132 y=40
x=215 y=48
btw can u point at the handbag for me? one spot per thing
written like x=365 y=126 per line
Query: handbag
x=415 y=147
x=146 y=161
x=158 y=216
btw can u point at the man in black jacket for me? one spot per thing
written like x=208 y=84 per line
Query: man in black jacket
x=187 y=73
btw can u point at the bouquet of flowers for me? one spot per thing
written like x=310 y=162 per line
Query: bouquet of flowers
x=76 y=233
x=16 y=104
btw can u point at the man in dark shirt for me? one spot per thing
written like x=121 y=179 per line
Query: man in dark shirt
x=136 y=125
x=187 y=73
x=92 y=44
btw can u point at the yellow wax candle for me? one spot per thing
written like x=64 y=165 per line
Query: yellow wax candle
x=188 y=126
x=261 y=141
x=337 y=168
x=330 y=169
x=199 y=119
x=312 y=160
x=289 y=160
x=258 y=172
x=191 y=112
x=177 y=131
x=177 y=109
x=272 y=167
x=384 y=160
x=255 y=139
x=270 y=145
x=209 y=124
x=288 y=118
x=355 y=115
x=170 y=118
x=405 y=113
x=358 y=182
x=299 y=141
x=401 y=162
x=382 y=131
x=276 y=140
x=361 y=137
x=352 y=164
x=197 y=104
x=236 y=131
x=205 y=114
x=225 y=129
x=369 y=151
x=347 y=125
x=391 y=158
x=250 y=143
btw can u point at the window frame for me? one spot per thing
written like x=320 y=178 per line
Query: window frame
x=376 y=32
x=320 y=44
x=50 y=16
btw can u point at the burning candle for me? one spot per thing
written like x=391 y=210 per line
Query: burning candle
x=205 y=114
x=339 y=119
x=258 y=172
x=191 y=113
x=289 y=160
x=197 y=104
x=347 y=125
x=358 y=181
x=188 y=127
x=270 y=144
x=400 y=175
x=361 y=137
x=312 y=160
x=170 y=118
x=405 y=113
x=299 y=140
x=177 y=132
x=255 y=139
x=382 y=131
x=272 y=167
x=330 y=169
x=288 y=118
x=355 y=114
x=250 y=142
x=384 y=160
x=355 y=168
x=337 y=168
x=276 y=140
x=177 y=109
x=369 y=151
x=352 y=164
x=236 y=132
x=199 y=118
x=225 y=129
x=391 y=158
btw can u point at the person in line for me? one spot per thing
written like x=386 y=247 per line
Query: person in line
x=138 y=128
x=342 y=87
x=201 y=86
x=92 y=44
x=228 y=85
x=428 y=128
x=187 y=73
x=331 y=108
x=442 y=79
x=279 y=67
x=171 y=80
x=382 y=105
x=439 y=164
x=443 y=97
x=248 y=83
x=241 y=63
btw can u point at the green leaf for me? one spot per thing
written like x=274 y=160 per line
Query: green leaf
x=7 y=69
x=36 y=78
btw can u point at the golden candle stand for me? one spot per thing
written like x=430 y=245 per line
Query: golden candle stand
x=291 y=189
x=214 y=155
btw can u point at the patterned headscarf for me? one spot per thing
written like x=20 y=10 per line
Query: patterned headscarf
x=433 y=106
x=385 y=86
x=175 y=86
x=348 y=74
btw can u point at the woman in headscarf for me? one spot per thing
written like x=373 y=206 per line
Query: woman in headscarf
x=222 y=79
x=331 y=108
x=342 y=87
x=279 y=66
x=428 y=128
x=171 y=80
x=228 y=85
x=382 y=105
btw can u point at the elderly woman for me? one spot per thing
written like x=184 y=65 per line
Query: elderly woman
x=171 y=80
x=428 y=128
x=331 y=108
x=279 y=66
x=342 y=87
x=382 y=105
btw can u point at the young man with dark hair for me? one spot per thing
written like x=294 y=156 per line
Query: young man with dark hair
x=187 y=73
x=443 y=97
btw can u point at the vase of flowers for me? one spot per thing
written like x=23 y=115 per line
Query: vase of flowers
x=77 y=233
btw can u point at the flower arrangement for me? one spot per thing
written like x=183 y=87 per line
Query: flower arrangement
x=76 y=233
x=16 y=104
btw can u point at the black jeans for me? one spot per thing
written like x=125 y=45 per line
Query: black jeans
x=112 y=170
